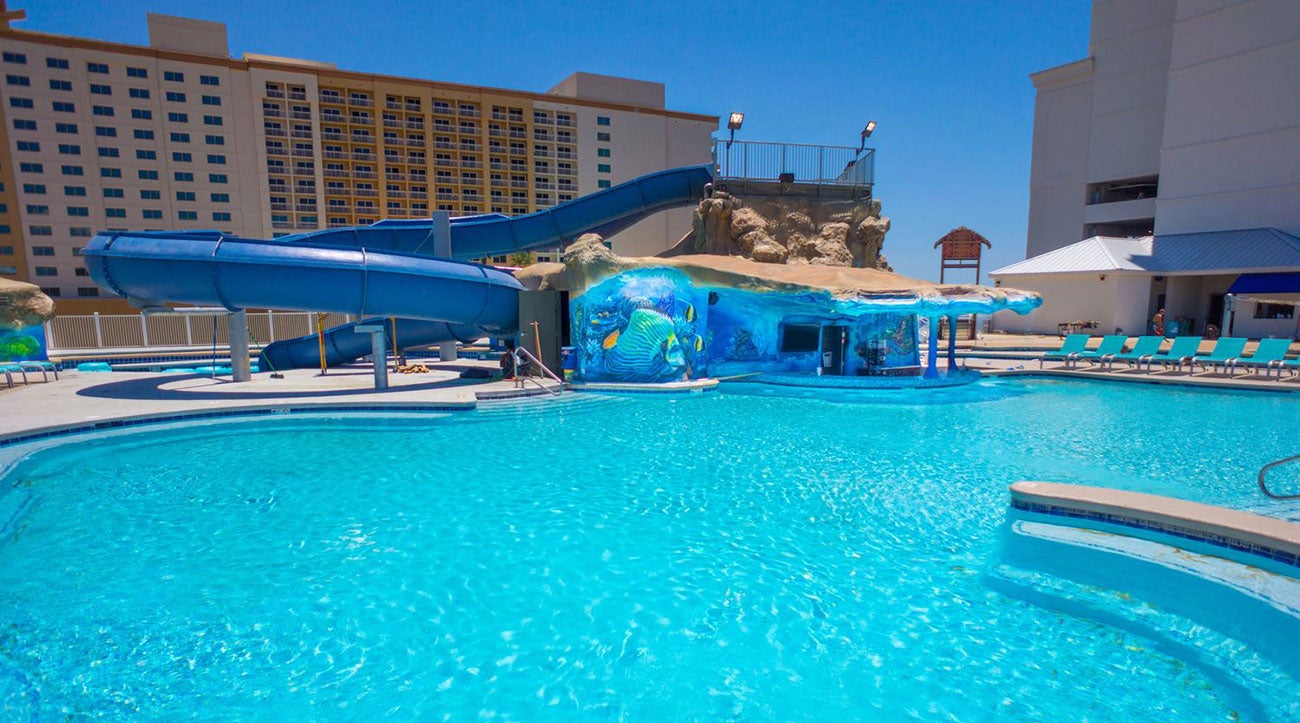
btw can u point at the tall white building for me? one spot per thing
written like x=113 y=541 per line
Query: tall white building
x=178 y=134
x=1181 y=127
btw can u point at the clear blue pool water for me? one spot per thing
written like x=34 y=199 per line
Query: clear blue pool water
x=737 y=555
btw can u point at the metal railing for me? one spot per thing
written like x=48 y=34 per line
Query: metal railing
x=1263 y=472
x=795 y=163
x=535 y=363
x=117 y=331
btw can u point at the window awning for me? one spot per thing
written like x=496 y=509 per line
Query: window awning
x=1279 y=288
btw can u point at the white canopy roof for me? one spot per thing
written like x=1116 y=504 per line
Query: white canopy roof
x=1211 y=252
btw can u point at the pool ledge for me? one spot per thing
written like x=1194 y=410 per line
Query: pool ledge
x=1243 y=532
x=693 y=386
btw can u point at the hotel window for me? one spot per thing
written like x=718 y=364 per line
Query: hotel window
x=141 y=114
x=175 y=97
x=18 y=80
x=603 y=167
x=184 y=176
x=34 y=189
x=79 y=232
x=78 y=211
x=31 y=167
x=221 y=198
x=74 y=190
x=602 y=183
x=37 y=210
x=178 y=118
x=212 y=120
x=187 y=215
x=1274 y=311
x=146 y=154
x=209 y=80
x=97 y=68
x=150 y=194
x=60 y=85
x=16 y=58
x=81 y=271
x=100 y=89
x=40 y=231
x=115 y=212
x=219 y=178
x=184 y=195
x=70 y=149
x=58 y=63
x=113 y=193
x=602 y=152
x=211 y=100
x=147 y=175
x=22 y=103
x=73 y=171
x=105 y=132
x=180 y=137
x=42 y=251
x=137 y=73
x=602 y=136
x=63 y=107
x=215 y=140
x=103 y=110
x=87 y=291
x=173 y=76
x=24 y=125
x=221 y=216
x=107 y=152
x=46 y=271
x=142 y=93
x=179 y=157
x=142 y=135
x=216 y=159
x=65 y=128
x=110 y=173
x=602 y=120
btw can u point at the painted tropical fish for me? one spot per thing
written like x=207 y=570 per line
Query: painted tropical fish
x=646 y=350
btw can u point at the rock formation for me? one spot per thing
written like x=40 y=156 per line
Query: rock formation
x=788 y=230
x=23 y=305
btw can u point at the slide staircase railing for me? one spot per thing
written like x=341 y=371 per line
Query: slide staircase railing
x=535 y=362
x=1263 y=472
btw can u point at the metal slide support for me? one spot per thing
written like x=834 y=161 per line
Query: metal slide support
x=952 y=342
x=237 y=332
x=378 y=352
x=447 y=351
x=442 y=234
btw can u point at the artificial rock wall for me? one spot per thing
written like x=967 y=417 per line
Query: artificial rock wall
x=790 y=230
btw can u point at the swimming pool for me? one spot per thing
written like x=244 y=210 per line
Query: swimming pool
x=725 y=555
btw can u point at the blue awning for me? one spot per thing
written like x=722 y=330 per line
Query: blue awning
x=1282 y=283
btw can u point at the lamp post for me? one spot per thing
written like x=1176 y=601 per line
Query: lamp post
x=734 y=122
x=866 y=133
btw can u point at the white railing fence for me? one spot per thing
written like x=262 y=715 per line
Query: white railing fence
x=116 y=331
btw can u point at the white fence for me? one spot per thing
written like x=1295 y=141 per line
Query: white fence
x=116 y=331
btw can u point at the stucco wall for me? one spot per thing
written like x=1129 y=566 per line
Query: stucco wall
x=1118 y=301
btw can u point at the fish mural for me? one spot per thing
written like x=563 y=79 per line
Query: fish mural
x=22 y=344
x=641 y=326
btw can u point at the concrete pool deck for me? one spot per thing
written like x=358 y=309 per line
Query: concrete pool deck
x=80 y=398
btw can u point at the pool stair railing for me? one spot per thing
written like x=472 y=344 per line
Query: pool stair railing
x=1263 y=474
x=536 y=363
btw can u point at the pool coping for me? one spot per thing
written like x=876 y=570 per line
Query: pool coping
x=1222 y=384
x=693 y=386
x=1221 y=527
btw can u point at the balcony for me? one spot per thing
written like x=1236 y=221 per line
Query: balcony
x=304 y=152
x=273 y=93
x=272 y=112
x=419 y=195
x=519 y=135
x=337 y=173
x=496 y=133
x=365 y=174
x=563 y=123
x=417 y=160
x=360 y=101
x=544 y=185
x=364 y=209
x=300 y=115
x=337 y=155
x=331 y=98
x=469 y=113
x=469 y=146
x=279 y=207
x=366 y=193
x=415 y=125
x=361 y=120
x=565 y=154
x=305 y=207
x=415 y=142
x=392 y=123
x=413 y=107
x=392 y=105
x=519 y=184
x=470 y=164
x=301 y=134
x=442 y=109
x=277 y=132
x=541 y=153
x=395 y=176
x=395 y=194
x=498 y=182
x=445 y=196
x=364 y=157
x=543 y=136
x=304 y=170
x=297 y=95
x=446 y=162
x=276 y=151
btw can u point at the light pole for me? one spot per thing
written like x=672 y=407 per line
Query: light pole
x=734 y=122
x=866 y=133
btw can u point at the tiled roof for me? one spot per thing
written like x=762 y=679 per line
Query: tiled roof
x=1231 y=252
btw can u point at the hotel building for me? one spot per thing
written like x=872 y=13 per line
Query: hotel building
x=1166 y=172
x=179 y=135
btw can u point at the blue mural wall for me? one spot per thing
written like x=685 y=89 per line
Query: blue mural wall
x=644 y=325
x=26 y=344
x=653 y=326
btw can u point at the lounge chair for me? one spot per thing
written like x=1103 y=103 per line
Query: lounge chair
x=1227 y=351
x=10 y=370
x=1181 y=352
x=1143 y=348
x=1072 y=345
x=1291 y=365
x=1269 y=355
x=1110 y=346
x=43 y=366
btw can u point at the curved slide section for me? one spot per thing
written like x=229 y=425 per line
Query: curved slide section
x=386 y=269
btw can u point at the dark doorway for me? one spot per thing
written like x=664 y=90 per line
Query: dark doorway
x=835 y=341
x=1215 y=313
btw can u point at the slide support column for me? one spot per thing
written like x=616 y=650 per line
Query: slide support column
x=447 y=351
x=932 y=354
x=378 y=352
x=237 y=332
x=952 y=341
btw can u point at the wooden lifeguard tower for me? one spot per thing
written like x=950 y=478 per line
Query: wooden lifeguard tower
x=961 y=249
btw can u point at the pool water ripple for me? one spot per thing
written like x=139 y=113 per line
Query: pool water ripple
x=706 y=556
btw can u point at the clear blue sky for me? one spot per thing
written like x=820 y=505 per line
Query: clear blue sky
x=946 y=79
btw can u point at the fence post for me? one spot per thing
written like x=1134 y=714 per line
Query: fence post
x=99 y=333
x=189 y=332
x=270 y=326
x=49 y=336
x=144 y=328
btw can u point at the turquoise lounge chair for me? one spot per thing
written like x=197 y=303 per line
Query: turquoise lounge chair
x=10 y=370
x=1291 y=365
x=1072 y=345
x=1269 y=355
x=1227 y=351
x=1181 y=352
x=1143 y=348
x=1110 y=346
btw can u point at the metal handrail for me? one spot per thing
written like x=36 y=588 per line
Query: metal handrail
x=538 y=362
x=1264 y=471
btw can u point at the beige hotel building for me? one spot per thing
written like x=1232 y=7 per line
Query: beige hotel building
x=179 y=135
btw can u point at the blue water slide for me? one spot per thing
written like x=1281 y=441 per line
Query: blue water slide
x=386 y=269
